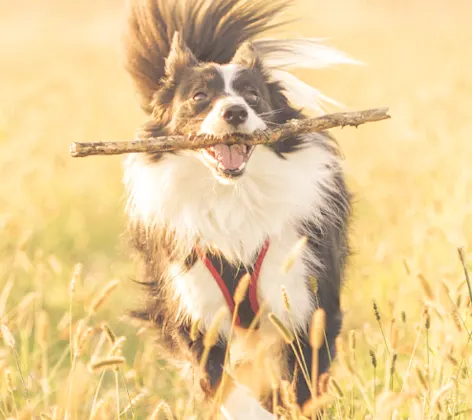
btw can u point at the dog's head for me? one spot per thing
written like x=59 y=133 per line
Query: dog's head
x=217 y=99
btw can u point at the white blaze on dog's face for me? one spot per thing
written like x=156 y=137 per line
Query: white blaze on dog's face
x=219 y=99
x=234 y=112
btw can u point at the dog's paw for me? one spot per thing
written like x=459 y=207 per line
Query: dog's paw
x=241 y=405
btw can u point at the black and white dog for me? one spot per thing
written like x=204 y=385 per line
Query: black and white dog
x=202 y=219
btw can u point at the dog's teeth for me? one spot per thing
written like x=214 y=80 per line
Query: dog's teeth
x=242 y=166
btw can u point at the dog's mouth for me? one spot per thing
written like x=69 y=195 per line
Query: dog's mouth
x=229 y=161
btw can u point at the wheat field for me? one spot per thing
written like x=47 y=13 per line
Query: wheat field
x=65 y=267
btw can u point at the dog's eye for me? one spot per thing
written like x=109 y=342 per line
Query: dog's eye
x=252 y=97
x=200 y=96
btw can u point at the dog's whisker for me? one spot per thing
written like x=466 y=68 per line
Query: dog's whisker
x=272 y=123
x=191 y=119
x=272 y=112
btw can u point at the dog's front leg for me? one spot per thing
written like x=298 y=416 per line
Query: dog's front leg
x=235 y=393
x=212 y=371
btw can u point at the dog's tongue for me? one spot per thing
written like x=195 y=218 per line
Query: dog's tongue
x=231 y=157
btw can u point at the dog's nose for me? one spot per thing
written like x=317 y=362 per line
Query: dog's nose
x=235 y=115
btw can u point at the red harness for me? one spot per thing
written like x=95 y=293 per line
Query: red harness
x=252 y=292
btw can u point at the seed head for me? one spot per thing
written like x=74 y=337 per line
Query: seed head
x=9 y=381
x=373 y=358
x=109 y=333
x=317 y=332
x=241 y=289
x=100 y=298
x=117 y=345
x=8 y=336
x=195 y=330
x=77 y=273
x=82 y=339
x=283 y=330
x=452 y=359
x=313 y=284
x=421 y=379
x=403 y=317
x=406 y=265
x=393 y=335
x=106 y=363
x=426 y=287
x=286 y=393
x=352 y=340
x=393 y=363
x=294 y=253
x=134 y=402
x=162 y=408
x=376 y=311
x=286 y=298
x=436 y=401
x=427 y=320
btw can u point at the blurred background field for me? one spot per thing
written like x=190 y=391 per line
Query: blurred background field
x=61 y=80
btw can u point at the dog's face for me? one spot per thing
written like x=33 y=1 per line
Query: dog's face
x=221 y=100
x=217 y=99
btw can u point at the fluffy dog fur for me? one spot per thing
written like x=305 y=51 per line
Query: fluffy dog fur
x=197 y=67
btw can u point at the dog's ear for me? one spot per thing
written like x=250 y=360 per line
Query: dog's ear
x=247 y=56
x=179 y=57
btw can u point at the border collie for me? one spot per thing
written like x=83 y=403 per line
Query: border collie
x=203 y=220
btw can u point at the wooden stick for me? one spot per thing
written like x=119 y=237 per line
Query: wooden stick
x=147 y=142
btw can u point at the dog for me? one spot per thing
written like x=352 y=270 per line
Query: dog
x=202 y=221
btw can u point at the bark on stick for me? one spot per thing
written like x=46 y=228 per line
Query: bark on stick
x=147 y=142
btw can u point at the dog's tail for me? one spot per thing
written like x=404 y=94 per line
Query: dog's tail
x=213 y=30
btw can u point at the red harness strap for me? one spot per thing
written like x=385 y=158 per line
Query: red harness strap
x=252 y=292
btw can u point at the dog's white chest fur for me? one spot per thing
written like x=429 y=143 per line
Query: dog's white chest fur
x=201 y=297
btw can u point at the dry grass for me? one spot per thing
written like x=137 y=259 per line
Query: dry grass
x=61 y=81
